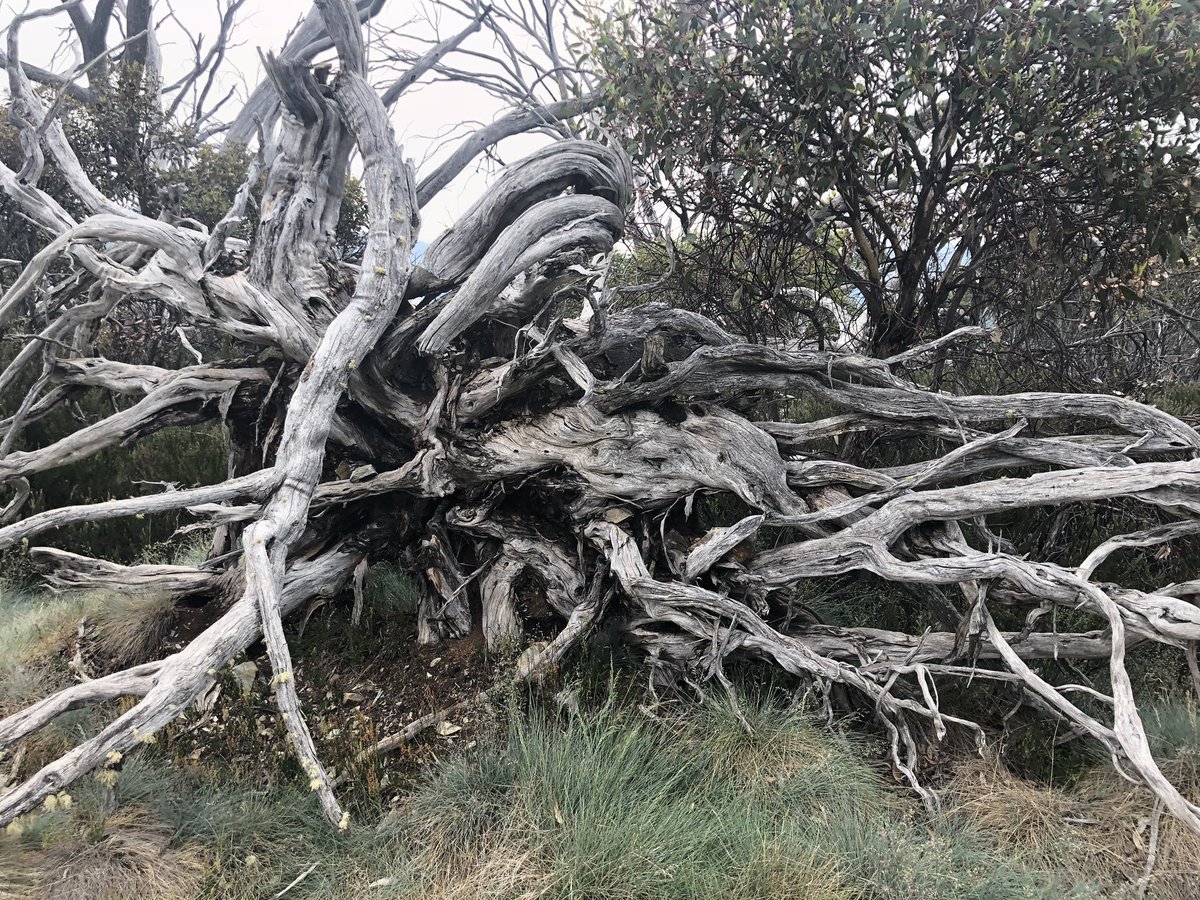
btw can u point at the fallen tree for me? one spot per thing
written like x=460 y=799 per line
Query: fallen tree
x=485 y=416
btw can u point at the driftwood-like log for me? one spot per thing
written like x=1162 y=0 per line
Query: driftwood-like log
x=619 y=466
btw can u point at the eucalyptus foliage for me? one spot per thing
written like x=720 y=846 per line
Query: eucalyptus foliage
x=934 y=156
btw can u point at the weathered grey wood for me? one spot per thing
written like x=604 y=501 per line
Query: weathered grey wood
x=490 y=387
x=514 y=123
x=179 y=398
x=501 y=626
x=458 y=417
x=72 y=572
x=638 y=458
x=252 y=486
x=546 y=228
x=556 y=566
x=306 y=42
x=444 y=609
x=877 y=649
x=582 y=166
x=711 y=548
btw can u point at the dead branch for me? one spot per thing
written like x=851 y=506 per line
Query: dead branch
x=463 y=417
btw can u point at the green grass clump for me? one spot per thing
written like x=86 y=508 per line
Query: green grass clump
x=389 y=592
x=231 y=840
x=610 y=804
x=33 y=630
x=604 y=808
x=38 y=628
x=130 y=628
x=1173 y=729
x=614 y=806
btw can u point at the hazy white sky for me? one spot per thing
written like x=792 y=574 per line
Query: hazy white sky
x=424 y=118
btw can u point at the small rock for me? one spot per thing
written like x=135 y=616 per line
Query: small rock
x=244 y=674
x=446 y=729
x=353 y=697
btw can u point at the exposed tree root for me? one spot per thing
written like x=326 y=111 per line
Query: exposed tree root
x=452 y=415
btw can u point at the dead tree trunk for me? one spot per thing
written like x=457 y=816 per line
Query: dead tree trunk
x=475 y=418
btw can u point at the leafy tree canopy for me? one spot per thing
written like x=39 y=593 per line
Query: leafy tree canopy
x=931 y=154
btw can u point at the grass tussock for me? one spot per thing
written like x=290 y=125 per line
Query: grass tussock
x=129 y=628
x=1099 y=829
x=614 y=806
x=34 y=630
x=390 y=592
x=38 y=630
x=130 y=859
x=48 y=641
x=611 y=804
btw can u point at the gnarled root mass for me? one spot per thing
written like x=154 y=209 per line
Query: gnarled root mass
x=452 y=414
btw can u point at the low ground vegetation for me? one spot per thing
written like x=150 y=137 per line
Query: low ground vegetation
x=590 y=788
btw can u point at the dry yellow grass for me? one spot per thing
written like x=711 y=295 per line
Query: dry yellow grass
x=1099 y=831
x=1022 y=816
x=516 y=871
x=1125 y=811
x=130 y=628
x=132 y=859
